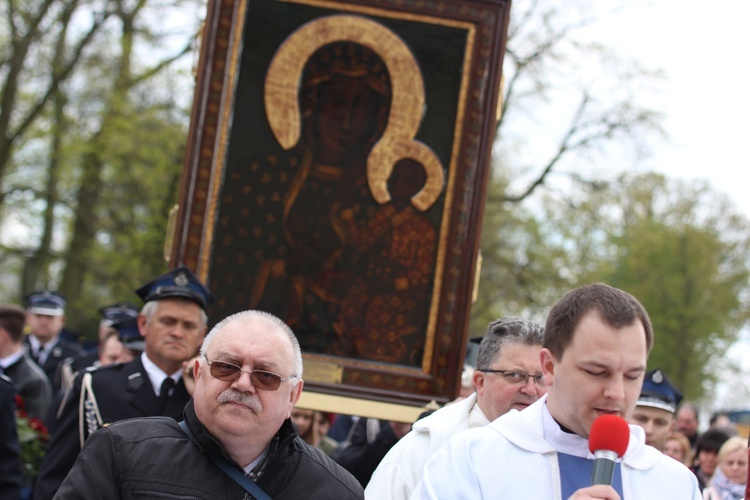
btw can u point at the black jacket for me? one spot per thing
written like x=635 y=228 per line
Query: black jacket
x=122 y=391
x=32 y=385
x=60 y=352
x=153 y=458
x=10 y=450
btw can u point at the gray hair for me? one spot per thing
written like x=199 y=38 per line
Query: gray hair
x=150 y=307
x=504 y=331
x=262 y=316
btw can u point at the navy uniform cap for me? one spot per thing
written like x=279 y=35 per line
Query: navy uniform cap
x=129 y=334
x=180 y=282
x=659 y=392
x=118 y=312
x=46 y=303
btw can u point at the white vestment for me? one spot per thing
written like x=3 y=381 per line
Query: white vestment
x=515 y=457
x=400 y=470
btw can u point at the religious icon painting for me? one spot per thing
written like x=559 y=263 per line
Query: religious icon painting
x=335 y=176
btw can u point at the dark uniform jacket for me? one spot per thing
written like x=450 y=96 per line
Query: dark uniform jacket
x=153 y=458
x=61 y=351
x=121 y=391
x=10 y=450
x=32 y=385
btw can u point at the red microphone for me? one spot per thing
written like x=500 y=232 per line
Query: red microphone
x=608 y=440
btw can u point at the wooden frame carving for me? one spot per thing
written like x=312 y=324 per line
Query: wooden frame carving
x=335 y=175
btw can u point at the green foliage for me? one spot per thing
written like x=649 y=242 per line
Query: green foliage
x=115 y=132
x=683 y=253
x=680 y=248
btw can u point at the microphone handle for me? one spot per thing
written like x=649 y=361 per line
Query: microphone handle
x=604 y=467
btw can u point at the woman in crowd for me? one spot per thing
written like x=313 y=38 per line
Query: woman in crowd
x=728 y=482
x=706 y=455
x=306 y=425
x=677 y=446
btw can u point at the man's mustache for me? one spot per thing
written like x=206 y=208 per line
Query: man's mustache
x=252 y=402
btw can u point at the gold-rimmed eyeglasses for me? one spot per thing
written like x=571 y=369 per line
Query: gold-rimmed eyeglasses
x=261 y=379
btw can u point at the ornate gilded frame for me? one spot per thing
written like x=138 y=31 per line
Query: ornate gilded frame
x=444 y=60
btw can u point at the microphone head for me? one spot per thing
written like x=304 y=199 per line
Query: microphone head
x=609 y=432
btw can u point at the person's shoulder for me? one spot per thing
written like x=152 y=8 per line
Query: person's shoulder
x=447 y=417
x=314 y=458
x=115 y=370
x=145 y=428
x=28 y=367
x=69 y=349
x=6 y=384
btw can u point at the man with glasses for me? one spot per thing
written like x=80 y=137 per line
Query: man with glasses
x=508 y=377
x=596 y=344
x=173 y=324
x=237 y=436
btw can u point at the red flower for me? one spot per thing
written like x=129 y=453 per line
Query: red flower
x=39 y=428
x=33 y=437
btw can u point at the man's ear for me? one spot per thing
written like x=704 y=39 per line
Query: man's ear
x=294 y=396
x=549 y=363
x=197 y=369
x=142 y=321
x=477 y=378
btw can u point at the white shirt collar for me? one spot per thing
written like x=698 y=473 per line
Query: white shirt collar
x=477 y=418
x=36 y=345
x=249 y=467
x=9 y=360
x=156 y=375
x=564 y=442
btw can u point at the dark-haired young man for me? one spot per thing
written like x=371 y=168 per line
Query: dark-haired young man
x=596 y=343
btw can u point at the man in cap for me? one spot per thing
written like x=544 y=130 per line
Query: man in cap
x=133 y=343
x=31 y=382
x=45 y=317
x=173 y=323
x=237 y=437
x=508 y=377
x=106 y=344
x=655 y=408
x=596 y=344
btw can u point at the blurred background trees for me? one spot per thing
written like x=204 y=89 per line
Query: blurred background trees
x=94 y=110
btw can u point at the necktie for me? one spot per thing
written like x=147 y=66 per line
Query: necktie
x=39 y=356
x=166 y=386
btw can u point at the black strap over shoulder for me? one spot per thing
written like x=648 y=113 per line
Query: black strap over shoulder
x=231 y=471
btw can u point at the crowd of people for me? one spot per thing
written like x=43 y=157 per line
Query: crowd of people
x=165 y=409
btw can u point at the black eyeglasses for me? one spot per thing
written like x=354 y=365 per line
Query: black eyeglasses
x=261 y=379
x=517 y=378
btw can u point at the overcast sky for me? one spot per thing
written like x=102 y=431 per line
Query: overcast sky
x=702 y=47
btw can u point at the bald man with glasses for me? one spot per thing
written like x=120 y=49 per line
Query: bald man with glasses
x=508 y=377
x=236 y=439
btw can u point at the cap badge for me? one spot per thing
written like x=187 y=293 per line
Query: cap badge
x=658 y=377
x=181 y=280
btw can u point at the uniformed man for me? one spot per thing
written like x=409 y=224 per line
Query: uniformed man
x=45 y=318
x=110 y=315
x=655 y=408
x=10 y=449
x=133 y=343
x=31 y=382
x=173 y=322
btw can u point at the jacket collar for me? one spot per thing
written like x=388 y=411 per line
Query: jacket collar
x=526 y=430
x=209 y=444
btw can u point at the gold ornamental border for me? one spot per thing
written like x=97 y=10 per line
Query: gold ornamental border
x=224 y=114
